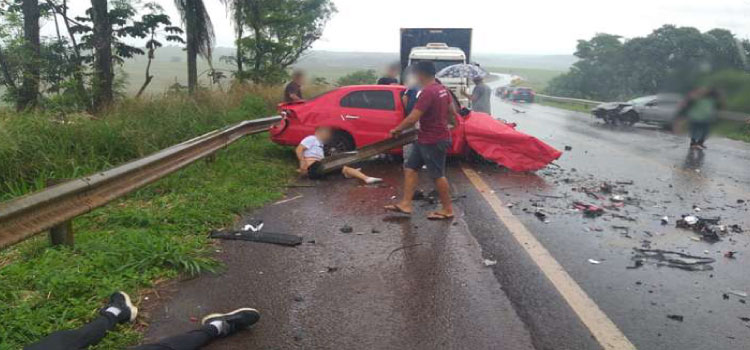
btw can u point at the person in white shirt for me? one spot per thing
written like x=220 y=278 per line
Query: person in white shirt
x=310 y=150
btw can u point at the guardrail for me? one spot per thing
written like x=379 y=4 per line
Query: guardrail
x=723 y=115
x=54 y=207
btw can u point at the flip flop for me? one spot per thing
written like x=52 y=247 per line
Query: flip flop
x=439 y=217
x=396 y=208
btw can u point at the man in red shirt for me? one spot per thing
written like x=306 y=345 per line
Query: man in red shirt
x=433 y=110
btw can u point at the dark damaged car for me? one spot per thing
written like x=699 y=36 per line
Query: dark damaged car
x=655 y=109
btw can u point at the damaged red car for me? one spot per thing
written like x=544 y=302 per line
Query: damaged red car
x=364 y=114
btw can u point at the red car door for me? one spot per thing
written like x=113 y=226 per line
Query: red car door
x=369 y=114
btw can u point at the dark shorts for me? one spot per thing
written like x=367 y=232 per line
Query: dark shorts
x=433 y=156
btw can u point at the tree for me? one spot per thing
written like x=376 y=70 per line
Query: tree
x=200 y=36
x=151 y=24
x=360 y=77
x=279 y=32
x=103 y=92
x=29 y=91
x=236 y=9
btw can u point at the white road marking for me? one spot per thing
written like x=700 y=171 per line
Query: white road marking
x=602 y=328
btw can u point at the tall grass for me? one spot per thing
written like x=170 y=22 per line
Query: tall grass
x=155 y=233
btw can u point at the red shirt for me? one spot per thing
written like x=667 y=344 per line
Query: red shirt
x=434 y=101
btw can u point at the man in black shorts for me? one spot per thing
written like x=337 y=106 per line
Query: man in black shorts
x=433 y=110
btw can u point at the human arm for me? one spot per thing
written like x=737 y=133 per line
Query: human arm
x=300 y=152
x=408 y=122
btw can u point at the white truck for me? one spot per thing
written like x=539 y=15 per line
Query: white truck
x=443 y=46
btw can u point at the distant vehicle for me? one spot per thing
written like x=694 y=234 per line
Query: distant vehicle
x=522 y=94
x=442 y=46
x=655 y=109
x=500 y=92
x=364 y=114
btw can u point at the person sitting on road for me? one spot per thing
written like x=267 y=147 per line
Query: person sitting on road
x=293 y=90
x=391 y=76
x=120 y=309
x=480 y=96
x=311 y=150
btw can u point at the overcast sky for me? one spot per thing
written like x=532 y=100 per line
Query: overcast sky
x=500 y=26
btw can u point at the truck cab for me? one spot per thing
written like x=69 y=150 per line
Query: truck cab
x=443 y=56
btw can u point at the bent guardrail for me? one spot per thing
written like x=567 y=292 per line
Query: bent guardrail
x=723 y=115
x=53 y=207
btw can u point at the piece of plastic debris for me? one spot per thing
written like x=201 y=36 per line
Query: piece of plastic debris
x=730 y=254
x=690 y=220
x=674 y=259
x=595 y=262
x=488 y=262
x=738 y=293
x=665 y=220
x=568 y=148
x=678 y=318
x=346 y=229
x=617 y=198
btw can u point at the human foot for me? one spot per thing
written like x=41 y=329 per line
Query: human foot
x=232 y=322
x=121 y=307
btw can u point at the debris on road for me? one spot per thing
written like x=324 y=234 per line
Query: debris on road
x=594 y=262
x=678 y=318
x=488 y=262
x=542 y=216
x=346 y=229
x=738 y=293
x=568 y=148
x=260 y=237
x=730 y=254
x=673 y=259
x=287 y=200
x=706 y=227
x=665 y=220
x=589 y=210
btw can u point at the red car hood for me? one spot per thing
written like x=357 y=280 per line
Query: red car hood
x=501 y=143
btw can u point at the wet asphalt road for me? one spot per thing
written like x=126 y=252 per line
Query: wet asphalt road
x=414 y=284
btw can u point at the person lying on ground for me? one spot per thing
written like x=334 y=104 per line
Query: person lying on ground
x=120 y=309
x=311 y=150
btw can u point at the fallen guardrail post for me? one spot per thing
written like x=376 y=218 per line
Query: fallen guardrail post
x=54 y=207
x=338 y=161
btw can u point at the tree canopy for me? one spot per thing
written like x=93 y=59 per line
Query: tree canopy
x=669 y=59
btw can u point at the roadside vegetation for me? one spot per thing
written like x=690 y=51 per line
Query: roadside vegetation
x=73 y=114
x=537 y=79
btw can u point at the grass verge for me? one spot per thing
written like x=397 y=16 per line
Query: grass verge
x=576 y=107
x=153 y=234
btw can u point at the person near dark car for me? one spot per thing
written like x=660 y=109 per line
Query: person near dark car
x=432 y=110
x=480 y=96
x=700 y=108
x=391 y=76
x=293 y=90
x=120 y=309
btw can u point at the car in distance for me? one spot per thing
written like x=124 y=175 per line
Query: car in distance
x=655 y=109
x=522 y=94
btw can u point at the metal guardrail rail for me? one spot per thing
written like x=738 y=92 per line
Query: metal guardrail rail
x=723 y=115
x=53 y=207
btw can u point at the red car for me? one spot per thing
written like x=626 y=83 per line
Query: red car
x=365 y=114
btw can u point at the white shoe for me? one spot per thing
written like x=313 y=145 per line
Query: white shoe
x=373 y=180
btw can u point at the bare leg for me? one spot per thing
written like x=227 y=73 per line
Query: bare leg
x=411 y=179
x=444 y=192
x=354 y=173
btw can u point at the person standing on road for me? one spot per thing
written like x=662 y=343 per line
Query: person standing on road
x=391 y=76
x=409 y=99
x=480 y=97
x=700 y=108
x=293 y=90
x=432 y=111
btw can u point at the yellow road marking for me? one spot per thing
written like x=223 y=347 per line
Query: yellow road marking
x=603 y=329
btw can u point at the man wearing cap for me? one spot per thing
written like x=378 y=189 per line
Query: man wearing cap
x=433 y=110
x=480 y=97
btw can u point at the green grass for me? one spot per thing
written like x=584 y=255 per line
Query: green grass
x=153 y=234
x=734 y=130
x=536 y=79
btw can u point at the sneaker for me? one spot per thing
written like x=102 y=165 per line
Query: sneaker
x=121 y=306
x=234 y=321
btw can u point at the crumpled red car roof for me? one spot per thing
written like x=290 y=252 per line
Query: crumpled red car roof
x=502 y=143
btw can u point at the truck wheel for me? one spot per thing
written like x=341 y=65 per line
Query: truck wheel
x=341 y=142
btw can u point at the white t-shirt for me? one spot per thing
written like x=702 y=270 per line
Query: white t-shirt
x=313 y=147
